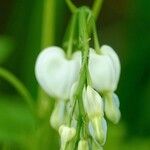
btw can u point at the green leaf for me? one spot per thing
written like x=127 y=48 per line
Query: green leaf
x=17 y=122
x=6 y=47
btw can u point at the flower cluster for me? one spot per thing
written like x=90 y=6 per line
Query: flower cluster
x=83 y=86
x=58 y=76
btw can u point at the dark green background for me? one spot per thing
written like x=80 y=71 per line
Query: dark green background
x=122 y=24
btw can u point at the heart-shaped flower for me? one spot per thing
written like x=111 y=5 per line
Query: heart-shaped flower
x=55 y=73
x=104 y=69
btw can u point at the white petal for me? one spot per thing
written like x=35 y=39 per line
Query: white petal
x=55 y=73
x=98 y=130
x=92 y=102
x=58 y=117
x=66 y=133
x=112 y=107
x=107 y=50
x=101 y=71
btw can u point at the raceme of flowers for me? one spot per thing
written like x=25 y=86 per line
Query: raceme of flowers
x=81 y=120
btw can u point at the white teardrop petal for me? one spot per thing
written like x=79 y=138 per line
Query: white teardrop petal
x=55 y=73
x=92 y=102
x=58 y=117
x=112 y=107
x=101 y=71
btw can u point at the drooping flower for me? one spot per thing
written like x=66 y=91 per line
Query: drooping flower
x=93 y=103
x=66 y=134
x=104 y=69
x=98 y=130
x=55 y=73
x=93 y=106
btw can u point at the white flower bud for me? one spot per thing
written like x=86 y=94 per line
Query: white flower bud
x=98 y=129
x=104 y=69
x=55 y=73
x=83 y=145
x=92 y=102
x=57 y=117
x=66 y=134
x=112 y=107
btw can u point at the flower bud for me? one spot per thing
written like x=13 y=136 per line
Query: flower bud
x=66 y=134
x=83 y=145
x=104 y=69
x=55 y=73
x=112 y=107
x=57 y=117
x=98 y=129
x=92 y=102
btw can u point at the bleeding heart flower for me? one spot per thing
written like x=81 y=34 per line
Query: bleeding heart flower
x=104 y=69
x=55 y=73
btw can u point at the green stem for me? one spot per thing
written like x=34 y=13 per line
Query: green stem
x=18 y=85
x=48 y=36
x=96 y=41
x=85 y=47
x=96 y=8
x=44 y=105
x=71 y=38
x=48 y=26
x=71 y=6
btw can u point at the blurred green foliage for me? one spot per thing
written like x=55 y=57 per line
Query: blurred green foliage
x=6 y=47
x=122 y=24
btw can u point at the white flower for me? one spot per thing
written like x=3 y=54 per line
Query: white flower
x=93 y=106
x=55 y=73
x=92 y=102
x=98 y=130
x=112 y=104
x=83 y=145
x=66 y=134
x=104 y=69
x=57 y=117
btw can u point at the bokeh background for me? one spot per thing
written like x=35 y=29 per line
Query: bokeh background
x=123 y=24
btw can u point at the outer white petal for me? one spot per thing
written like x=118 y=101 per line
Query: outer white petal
x=107 y=50
x=92 y=102
x=112 y=107
x=58 y=117
x=101 y=71
x=98 y=130
x=55 y=73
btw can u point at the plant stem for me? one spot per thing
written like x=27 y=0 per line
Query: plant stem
x=96 y=41
x=71 y=37
x=96 y=8
x=48 y=36
x=48 y=25
x=85 y=47
x=71 y=6
x=18 y=85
